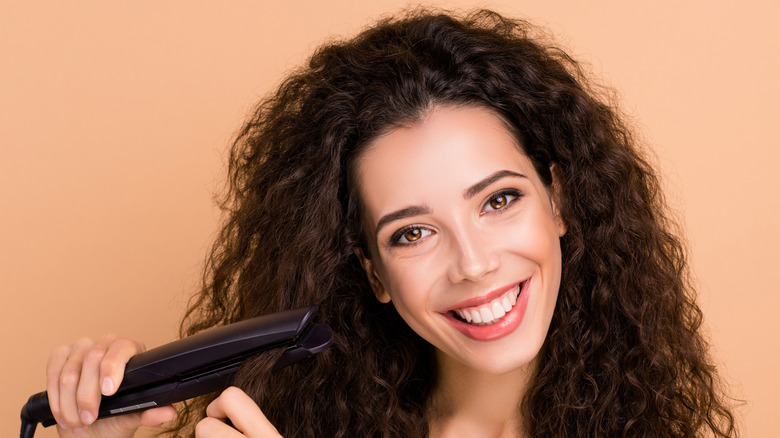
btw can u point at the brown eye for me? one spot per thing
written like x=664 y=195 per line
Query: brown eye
x=497 y=202
x=500 y=201
x=410 y=235
x=413 y=234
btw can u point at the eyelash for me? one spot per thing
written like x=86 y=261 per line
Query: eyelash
x=395 y=239
x=513 y=196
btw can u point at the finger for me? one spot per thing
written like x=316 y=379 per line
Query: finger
x=112 y=367
x=88 y=392
x=157 y=416
x=211 y=427
x=151 y=417
x=69 y=381
x=64 y=432
x=54 y=366
x=243 y=412
x=122 y=426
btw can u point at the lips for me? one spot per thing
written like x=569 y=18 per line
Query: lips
x=490 y=312
x=490 y=319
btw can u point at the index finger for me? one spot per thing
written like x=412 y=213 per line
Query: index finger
x=54 y=366
x=112 y=367
x=235 y=405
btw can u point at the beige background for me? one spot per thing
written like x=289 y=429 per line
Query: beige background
x=114 y=118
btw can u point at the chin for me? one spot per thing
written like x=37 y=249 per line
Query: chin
x=505 y=365
x=500 y=359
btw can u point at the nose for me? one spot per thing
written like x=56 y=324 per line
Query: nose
x=474 y=256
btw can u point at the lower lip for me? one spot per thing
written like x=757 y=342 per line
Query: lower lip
x=503 y=327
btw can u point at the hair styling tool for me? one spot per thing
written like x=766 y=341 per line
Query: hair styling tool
x=198 y=364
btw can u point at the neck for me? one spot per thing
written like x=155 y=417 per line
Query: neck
x=471 y=403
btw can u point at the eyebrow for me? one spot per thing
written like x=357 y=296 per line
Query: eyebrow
x=467 y=194
x=401 y=214
x=482 y=185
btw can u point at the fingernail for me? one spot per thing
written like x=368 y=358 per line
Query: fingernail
x=86 y=417
x=107 y=387
x=62 y=423
x=79 y=431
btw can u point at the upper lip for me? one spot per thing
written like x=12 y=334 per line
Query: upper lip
x=478 y=301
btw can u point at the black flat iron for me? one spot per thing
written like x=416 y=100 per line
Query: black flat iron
x=199 y=364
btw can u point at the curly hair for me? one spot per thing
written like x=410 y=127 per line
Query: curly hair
x=624 y=354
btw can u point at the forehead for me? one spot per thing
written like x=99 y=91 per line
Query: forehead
x=446 y=151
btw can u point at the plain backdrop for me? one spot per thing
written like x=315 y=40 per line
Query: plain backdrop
x=115 y=117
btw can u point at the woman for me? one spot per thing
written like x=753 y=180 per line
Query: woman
x=481 y=233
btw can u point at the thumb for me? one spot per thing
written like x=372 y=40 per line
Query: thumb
x=123 y=424
x=157 y=416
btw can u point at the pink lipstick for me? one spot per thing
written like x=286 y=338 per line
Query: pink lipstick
x=490 y=317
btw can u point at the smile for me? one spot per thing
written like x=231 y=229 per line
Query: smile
x=491 y=312
x=493 y=316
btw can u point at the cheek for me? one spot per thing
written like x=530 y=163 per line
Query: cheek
x=545 y=251
x=537 y=242
x=411 y=286
x=535 y=237
x=407 y=286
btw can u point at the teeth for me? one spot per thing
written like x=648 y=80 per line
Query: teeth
x=506 y=303
x=498 y=310
x=491 y=312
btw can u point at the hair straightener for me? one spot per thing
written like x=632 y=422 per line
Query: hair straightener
x=198 y=364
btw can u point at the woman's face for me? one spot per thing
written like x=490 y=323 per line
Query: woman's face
x=463 y=235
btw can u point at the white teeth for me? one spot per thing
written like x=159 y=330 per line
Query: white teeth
x=507 y=305
x=486 y=314
x=491 y=312
x=498 y=310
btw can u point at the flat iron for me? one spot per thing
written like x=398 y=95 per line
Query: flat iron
x=198 y=364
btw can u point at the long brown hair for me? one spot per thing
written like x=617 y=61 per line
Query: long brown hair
x=624 y=355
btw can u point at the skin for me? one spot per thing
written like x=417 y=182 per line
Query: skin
x=476 y=218
x=76 y=377
x=481 y=221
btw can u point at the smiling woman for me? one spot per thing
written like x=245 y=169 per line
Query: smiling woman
x=481 y=233
x=477 y=252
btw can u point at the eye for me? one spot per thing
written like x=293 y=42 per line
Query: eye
x=409 y=235
x=500 y=200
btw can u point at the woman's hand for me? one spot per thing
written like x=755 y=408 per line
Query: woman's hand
x=76 y=377
x=247 y=418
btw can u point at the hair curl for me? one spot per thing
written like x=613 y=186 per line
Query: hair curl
x=623 y=357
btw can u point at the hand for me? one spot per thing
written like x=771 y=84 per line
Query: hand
x=77 y=375
x=247 y=418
